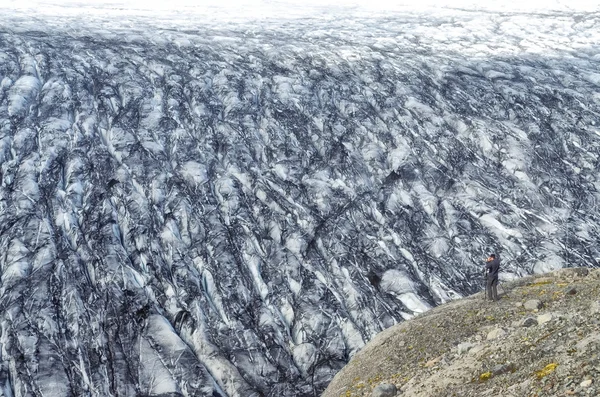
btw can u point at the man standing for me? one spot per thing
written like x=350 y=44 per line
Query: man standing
x=492 y=266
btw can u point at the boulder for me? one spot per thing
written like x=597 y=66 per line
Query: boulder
x=595 y=307
x=533 y=304
x=476 y=349
x=464 y=347
x=544 y=318
x=496 y=333
x=529 y=322
x=503 y=369
x=385 y=390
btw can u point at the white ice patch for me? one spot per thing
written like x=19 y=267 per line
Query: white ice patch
x=549 y=263
x=253 y=263
x=413 y=303
x=398 y=156
x=304 y=356
x=496 y=227
x=438 y=247
x=287 y=312
x=155 y=378
x=133 y=278
x=295 y=243
x=593 y=78
x=428 y=200
x=281 y=171
x=441 y=292
x=294 y=285
x=194 y=173
x=21 y=94
x=399 y=284
x=352 y=336
x=396 y=282
x=414 y=104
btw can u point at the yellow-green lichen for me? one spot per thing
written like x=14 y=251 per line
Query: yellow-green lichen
x=547 y=370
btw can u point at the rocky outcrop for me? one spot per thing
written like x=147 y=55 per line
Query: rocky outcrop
x=474 y=347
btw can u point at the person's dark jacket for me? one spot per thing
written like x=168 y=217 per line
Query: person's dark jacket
x=493 y=267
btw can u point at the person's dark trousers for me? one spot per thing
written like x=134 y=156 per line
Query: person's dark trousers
x=492 y=288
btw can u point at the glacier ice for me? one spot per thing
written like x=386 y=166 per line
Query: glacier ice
x=193 y=206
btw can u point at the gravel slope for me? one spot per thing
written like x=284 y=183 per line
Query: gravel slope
x=541 y=339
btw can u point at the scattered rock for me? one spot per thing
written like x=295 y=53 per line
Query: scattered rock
x=571 y=291
x=496 y=333
x=572 y=272
x=544 y=318
x=385 y=390
x=443 y=324
x=464 y=347
x=529 y=322
x=544 y=280
x=533 y=304
x=556 y=357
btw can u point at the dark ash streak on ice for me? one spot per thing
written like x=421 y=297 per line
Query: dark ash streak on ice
x=198 y=210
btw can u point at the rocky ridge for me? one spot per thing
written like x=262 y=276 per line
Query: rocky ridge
x=542 y=338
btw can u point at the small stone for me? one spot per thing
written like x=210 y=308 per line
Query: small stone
x=595 y=307
x=533 y=304
x=572 y=272
x=544 y=318
x=571 y=291
x=464 y=347
x=385 y=390
x=586 y=383
x=496 y=333
x=519 y=304
x=529 y=322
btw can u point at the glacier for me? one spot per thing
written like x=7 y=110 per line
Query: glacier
x=196 y=202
